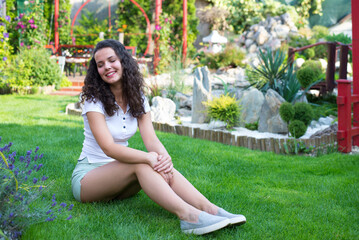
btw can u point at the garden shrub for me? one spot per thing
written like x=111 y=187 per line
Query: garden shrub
x=297 y=128
x=286 y=111
x=231 y=56
x=303 y=112
x=310 y=72
x=225 y=109
x=31 y=68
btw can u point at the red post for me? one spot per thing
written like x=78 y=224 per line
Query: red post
x=184 y=37
x=56 y=25
x=344 y=116
x=156 y=59
x=355 y=37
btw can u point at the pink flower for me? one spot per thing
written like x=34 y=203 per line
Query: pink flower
x=35 y=26
x=166 y=20
x=31 y=20
x=158 y=27
x=21 y=44
x=21 y=15
x=32 y=25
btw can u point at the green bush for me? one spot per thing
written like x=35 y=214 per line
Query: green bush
x=286 y=111
x=303 y=112
x=31 y=68
x=225 y=109
x=231 y=56
x=297 y=128
x=310 y=72
x=320 y=32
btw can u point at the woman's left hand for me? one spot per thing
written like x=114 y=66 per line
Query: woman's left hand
x=164 y=164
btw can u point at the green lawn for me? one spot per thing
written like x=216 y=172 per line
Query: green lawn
x=283 y=197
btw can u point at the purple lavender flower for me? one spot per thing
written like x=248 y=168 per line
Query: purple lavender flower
x=37 y=149
x=54 y=204
x=69 y=217
x=70 y=207
x=44 y=178
x=35 y=166
x=8 y=18
x=25 y=178
x=49 y=219
x=34 y=180
x=29 y=172
x=53 y=197
x=39 y=167
x=48 y=212
x=41 y=155
x=21 y=158
x=11 y=215
x=63 y=204
x=40 y=188
x=4 y=59
x=29 y=152
x=6 y=35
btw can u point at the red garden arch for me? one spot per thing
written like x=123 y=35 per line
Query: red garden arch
x=158 y=11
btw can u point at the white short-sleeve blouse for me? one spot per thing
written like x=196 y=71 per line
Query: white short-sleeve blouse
x=122 y=127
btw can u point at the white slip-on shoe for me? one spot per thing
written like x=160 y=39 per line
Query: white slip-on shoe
x=206 y=223
x=235 y=219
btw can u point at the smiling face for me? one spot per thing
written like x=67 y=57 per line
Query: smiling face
x=108 y=65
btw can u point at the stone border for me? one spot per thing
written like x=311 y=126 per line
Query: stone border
x=275 y=145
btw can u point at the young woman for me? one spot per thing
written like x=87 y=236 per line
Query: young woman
x=114 y=106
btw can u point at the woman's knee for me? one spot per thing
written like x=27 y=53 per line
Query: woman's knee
x=142 y=167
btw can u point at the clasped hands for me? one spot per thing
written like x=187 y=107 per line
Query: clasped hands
x=163 y=165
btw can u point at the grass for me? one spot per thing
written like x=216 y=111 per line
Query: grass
x=283 y=197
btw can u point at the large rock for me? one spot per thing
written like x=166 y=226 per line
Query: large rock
x=251 y=101
x=269 y=119
x=201 y=93
x=162 y=109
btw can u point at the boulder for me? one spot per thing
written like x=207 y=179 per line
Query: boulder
x=162 y=109
x=251 y=102
x=201 y=93
x=269 y=119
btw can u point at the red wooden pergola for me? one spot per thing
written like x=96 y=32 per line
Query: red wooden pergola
x=158 y=11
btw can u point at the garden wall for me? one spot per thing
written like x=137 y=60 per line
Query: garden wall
x=263 y=144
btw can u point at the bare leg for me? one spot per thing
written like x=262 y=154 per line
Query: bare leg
x=120 y=179
x=183 y=188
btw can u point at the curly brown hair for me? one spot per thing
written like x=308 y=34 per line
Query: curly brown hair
x=95 y=89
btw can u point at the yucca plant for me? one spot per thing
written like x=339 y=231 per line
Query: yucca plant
x=225 y=109
x=272 y=70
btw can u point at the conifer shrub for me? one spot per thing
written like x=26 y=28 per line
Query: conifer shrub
x=297 y=128
x=286 y=111
x=225 y=109
x=303 y=112
x=310 y=72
